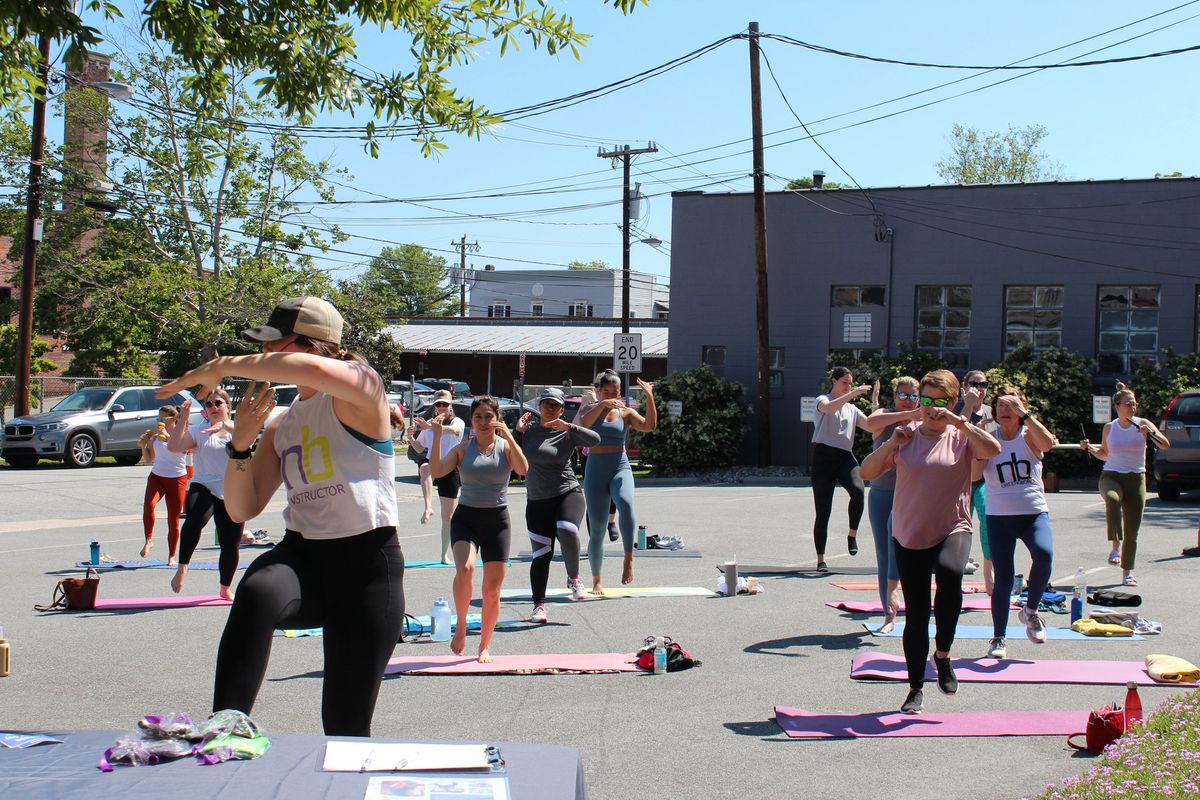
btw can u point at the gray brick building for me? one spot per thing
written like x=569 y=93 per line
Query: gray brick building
x=1110 y=269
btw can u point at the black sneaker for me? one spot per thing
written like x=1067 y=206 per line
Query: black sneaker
x=946 y=680
x=914 y=702
x=613 y=533
x=852 y=545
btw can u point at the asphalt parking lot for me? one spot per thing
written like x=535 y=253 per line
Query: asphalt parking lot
x=706 y=733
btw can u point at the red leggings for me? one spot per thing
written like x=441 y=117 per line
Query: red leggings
x=174 y=489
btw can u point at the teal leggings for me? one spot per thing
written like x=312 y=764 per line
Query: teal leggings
x=607 y=477
x=979 y=506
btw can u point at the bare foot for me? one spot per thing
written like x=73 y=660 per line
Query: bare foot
x=458 y=642
x=447 y=560
x=177 y=581
x=426 y=515
x=893 y=603
x=146 y=549
x=485 y=657
x=172 y=561
x=889 y=625
x=226 y=593
x=597 y=589
x=627 y=570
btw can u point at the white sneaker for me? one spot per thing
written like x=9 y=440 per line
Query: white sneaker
x=578 y=592
x=539 y=614
x=998 y=648
x=1035 y=629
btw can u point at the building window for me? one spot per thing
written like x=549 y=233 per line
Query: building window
x=667 y=314
x=499 y=309
x=1128 y=335
x=579 y=308
x=714 y=356
x=535 y=309
x=775 y=371
x=944 y=323
x=1033 y=315
x=857 y=296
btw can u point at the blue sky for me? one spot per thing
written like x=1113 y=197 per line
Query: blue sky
x=1127 y=120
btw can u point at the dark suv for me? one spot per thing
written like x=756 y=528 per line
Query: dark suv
x=1178 y=468
x=455 y=388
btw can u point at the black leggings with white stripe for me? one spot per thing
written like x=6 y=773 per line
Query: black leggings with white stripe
x=548 y=520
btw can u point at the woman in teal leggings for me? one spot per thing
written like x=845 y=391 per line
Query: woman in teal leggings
x=608 y=476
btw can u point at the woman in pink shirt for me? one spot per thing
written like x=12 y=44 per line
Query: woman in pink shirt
x=931 y=523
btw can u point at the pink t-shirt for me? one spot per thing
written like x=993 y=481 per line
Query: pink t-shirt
x=933 y=488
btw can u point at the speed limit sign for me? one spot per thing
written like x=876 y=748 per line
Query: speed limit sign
x=627 y=352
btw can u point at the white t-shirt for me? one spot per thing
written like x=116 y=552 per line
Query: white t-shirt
x=210 y=459
x=1014 y=479
x=452 y=433
x=166 y=463
x=836 y=428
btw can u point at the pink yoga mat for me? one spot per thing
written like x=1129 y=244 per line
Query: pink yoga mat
x=888 y=667
x=531 y=664
x=873 y=606
x=872 y=586
x=174 y=601
x=800 y=724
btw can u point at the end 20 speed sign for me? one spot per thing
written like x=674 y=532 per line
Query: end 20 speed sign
x=627 y=352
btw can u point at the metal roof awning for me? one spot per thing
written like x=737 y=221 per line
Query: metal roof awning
x=558 y=340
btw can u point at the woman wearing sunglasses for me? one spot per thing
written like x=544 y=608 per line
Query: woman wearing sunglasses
x=931 y=523
x=1123 y=481
x=168 y=479
x=1017 y=511
x=973 y=408
x=554 y=505
x=448 y=486
x=905 y=408
x=206 y=493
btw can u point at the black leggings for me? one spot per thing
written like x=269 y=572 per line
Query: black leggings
x=548 y=520
x=831 y=466
x=486 y=528
x=944 y=561
x=202 y=505
x=353 y=587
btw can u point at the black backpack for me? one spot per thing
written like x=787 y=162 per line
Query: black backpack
x=678 y=659
x=1114 y=598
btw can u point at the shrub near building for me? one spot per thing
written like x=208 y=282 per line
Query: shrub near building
x=707 y=435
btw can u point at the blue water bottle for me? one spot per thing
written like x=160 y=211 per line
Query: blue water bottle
x=440 y=621
x=641 y=537
x=94 y=552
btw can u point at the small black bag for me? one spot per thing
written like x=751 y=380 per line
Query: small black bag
x=1114 y=598
x=678 y=659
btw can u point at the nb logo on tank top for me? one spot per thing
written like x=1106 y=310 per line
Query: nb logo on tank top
x=301 y=463
x=1020 y=470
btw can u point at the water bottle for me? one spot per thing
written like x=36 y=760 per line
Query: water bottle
x=1018 y=583
x=660 y=656
x=1079 y=596
x=440 y=621
x=94 y=552
x=641 y=538
x=1133 y=704
x=4 y=662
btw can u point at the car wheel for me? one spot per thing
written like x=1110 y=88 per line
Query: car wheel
x=21 y=462
x=81 y=450
x=129 y=461
x=1168 y=492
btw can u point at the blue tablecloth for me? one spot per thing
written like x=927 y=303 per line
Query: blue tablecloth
x=291 y=769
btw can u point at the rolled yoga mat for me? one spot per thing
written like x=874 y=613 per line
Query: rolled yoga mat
x=1014 y=632
x=874 y=607
x=532 y=664
x=800 y=724
x=610 y=593
x=174 y=601
x=887 y=667
x=872 y=586
x=796 y=569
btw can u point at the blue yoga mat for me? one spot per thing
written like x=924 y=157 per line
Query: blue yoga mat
x=151 y=563
x=435 y=565
x=1014 y=632
x=473 y=623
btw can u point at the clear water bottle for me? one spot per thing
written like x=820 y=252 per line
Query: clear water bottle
x=1018 y=584
x=641 y=537
x=1079 y=596
x=440 y=621
x=660 y=656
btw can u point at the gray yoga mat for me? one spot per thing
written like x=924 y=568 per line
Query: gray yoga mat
x=797 y=569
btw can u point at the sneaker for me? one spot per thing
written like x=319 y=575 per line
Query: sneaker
x=1035 y=629
x=613 y=533
x=539 y=614
x=914 y=702
x=946 y=679
x=852 y=545
x=997 y=648
x=970 y=568
x=578 y=592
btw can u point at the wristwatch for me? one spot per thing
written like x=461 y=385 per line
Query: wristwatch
x=238 y=455
x=1028 y=414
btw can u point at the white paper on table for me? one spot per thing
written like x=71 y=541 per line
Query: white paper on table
x=475 y=788
x=404 y=757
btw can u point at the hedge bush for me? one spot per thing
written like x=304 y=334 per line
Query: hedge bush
x=707 y=435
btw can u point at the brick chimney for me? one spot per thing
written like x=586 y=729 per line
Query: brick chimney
x=85 y=128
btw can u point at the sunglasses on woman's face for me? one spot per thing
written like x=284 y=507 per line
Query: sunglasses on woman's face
x=936 y=402
x=213 y=403
x=908 y=396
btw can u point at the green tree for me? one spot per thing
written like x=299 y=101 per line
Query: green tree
x=585 y=265
x=8 y=353
x=303 y=52
x=807 y=183
x=993 y=157
x=708 y=432
x=1157 y=384
x=365 y=314
x=411 y=282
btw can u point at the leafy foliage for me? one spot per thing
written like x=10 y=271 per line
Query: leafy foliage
x=410 y=281
x=364 y=313
x=807 y=183
x=990 y=157
x=708 y=433
x=585 y=265
x=8 y=353
x=1156 y=386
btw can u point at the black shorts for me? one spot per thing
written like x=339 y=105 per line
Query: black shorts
x=486 y=528
x=448 y=485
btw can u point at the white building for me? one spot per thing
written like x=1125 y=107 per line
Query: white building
x=565 y=293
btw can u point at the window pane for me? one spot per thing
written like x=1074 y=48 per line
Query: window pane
x=1114 y=320
x=131 y=399
x=1111 y=363
x=1048 y=319
x=955 y=360
x=1143 y=342
x=1143 y=320
x=1049 y=297
x=958 y=318
x=929 y=340
x=929 y=318
x=775 y=357
x=1137 y=361
x=1114 y=297
x=845 y=295
x=872 y=295
x=1015 y=338
x=958 y=296
x=1145 y=296
x=959 y=340
x=1019 y=296
x=1044 y=339
x=929 y=296
x=1112 y=342
x=1020 y=320
x=713 y=355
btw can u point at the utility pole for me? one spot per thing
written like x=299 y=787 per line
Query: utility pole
x=462 y=246
x=33 y=230
x=624 y=153
x=760 y=258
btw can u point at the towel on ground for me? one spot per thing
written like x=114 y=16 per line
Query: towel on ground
x=1090 y=627
x=1171 y=669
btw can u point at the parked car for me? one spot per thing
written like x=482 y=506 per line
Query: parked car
x=510 y=410
x=569 y=411
x=421 y=395
x=1178 y=469
x=455 y=388
x=92 y=422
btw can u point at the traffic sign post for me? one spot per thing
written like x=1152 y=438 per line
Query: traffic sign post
x=627 y=353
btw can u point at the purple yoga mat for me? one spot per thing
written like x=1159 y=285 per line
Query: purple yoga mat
x=874 y=607
x=175 y=601
x=800 y=724
x=531 y=664
x=888 y=667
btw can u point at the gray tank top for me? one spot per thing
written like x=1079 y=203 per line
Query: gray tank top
x=484 y=477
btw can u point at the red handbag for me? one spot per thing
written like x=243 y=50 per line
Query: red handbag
x=1104 y=727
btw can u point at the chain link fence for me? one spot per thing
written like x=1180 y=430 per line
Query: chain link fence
x=45 y=391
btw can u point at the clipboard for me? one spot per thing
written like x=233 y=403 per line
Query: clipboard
x=411 y=757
